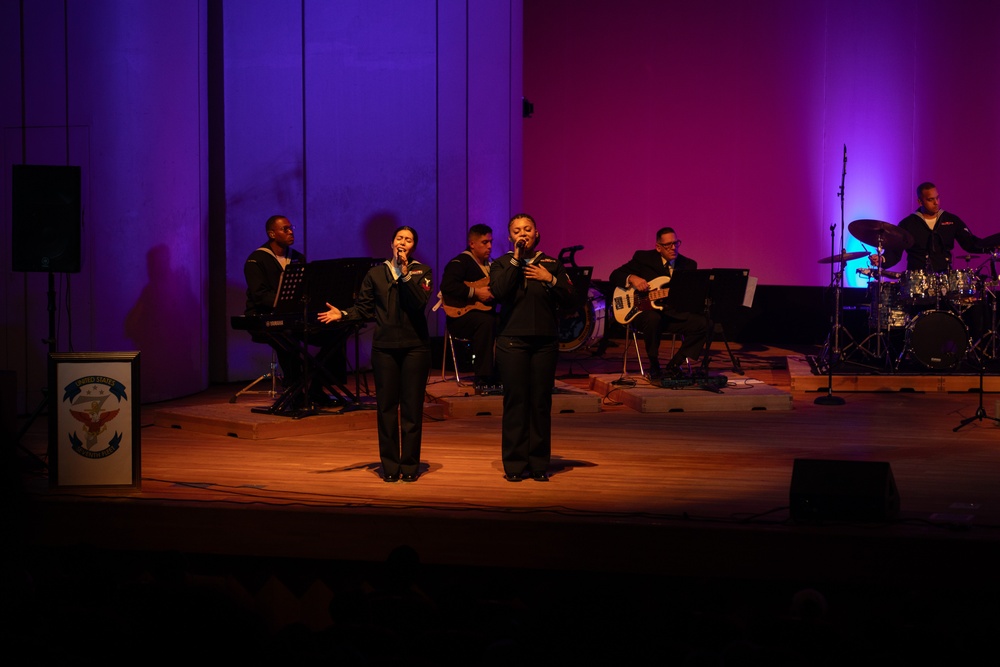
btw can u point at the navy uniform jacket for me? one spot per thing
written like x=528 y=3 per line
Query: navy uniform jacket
x=528 y=307
x=397 y=306
x=933 y=245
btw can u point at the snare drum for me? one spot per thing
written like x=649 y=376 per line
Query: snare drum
x=921 y=287
x=962 y=285
x=938 y=339
x=584 y=326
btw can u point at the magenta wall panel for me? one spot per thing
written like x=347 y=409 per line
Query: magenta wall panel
x=727 y=119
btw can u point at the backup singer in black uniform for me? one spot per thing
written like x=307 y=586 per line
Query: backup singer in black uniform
x=468 y=302
x=395 y=294
x=644 y=266
x=262 y=271
x=529 y=286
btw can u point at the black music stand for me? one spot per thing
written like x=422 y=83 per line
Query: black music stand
x=694 y=290
x=303 y=291
x=290 y=300
x=338 y=281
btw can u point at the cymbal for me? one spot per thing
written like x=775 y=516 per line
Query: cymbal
x=873 y=232
x=843 y=257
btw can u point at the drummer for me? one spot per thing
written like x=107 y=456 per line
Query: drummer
x=930 y=234
x=934 y=232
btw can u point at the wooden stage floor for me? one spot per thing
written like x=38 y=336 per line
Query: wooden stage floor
x=693 y=493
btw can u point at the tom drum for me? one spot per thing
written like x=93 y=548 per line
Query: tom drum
x=921 y=287
x=962 y=285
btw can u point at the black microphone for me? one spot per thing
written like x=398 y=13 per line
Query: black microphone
x=845 y=153
x=575 y=247
x=521 y=243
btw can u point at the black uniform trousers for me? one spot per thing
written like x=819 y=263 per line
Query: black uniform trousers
x=527 y=369
x=478 y=326
x=400 y=384
x=653 y=323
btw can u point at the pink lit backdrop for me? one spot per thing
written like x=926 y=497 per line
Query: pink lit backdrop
x=727 y=120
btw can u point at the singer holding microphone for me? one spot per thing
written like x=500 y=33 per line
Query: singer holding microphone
x=529 y=286
x=395 y=295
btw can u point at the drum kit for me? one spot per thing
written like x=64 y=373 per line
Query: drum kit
x=923 y=308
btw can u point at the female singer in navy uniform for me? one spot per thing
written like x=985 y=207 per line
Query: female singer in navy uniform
x=529 y=286
x=395 y=295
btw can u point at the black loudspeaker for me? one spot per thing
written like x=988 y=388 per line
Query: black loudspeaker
x=824 y=490
x=46 y=218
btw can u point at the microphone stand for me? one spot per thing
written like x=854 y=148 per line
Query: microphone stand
x=836 y=278
x=980 y=411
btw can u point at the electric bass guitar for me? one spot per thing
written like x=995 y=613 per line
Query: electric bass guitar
x=458 y=311
x=627 y=303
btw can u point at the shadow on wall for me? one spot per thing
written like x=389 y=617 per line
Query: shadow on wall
x=163 y=325
x=378 y=230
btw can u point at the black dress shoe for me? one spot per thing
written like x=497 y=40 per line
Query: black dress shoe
x=512 y=478
x=540 y=476
x=390 y=478
x=410 y=477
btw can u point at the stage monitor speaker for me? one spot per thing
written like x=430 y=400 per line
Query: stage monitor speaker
x=828 y=490
x=46 y=218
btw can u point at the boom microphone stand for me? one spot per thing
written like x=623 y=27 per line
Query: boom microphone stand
x=832 y=353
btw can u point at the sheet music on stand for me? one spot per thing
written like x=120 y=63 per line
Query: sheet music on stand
x=291 y=286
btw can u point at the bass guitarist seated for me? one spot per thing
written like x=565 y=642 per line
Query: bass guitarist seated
x=648 y=273
x=468 y=303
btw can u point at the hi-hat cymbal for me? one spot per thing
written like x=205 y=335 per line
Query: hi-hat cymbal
x=843 y=257
x=876 y=232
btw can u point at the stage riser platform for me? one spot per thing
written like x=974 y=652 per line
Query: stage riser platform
x=802 y=378
x=237 y=421
x=742 y=394
x=462 y=401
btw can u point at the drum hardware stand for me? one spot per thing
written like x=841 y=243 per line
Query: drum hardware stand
x=990 y=351
x=881 y=335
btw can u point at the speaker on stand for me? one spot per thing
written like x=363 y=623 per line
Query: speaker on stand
x=45 y=225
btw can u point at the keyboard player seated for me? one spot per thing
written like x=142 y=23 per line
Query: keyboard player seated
x=263 y=270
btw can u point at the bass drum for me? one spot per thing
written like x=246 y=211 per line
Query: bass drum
x=937 y=339
x=584 y=326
